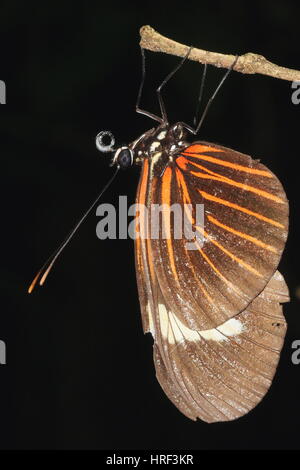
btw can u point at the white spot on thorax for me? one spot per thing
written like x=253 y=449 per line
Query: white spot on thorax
x=162 y=135
x=154 y=146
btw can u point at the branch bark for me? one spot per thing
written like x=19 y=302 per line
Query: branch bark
x=249 y=63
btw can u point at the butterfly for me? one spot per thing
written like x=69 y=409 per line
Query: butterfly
x=215 y=311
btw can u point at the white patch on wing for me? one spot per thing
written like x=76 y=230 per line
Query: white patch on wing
x=175 y=331
x=165 y=326
x=277 y=276
x=213 y=335
x=231 y=327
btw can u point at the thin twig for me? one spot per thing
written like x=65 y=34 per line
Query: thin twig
x=247 y=63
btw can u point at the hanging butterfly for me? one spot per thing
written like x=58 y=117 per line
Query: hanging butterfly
x=214 y=312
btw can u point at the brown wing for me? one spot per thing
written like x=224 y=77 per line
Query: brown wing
x=245 y=229
x=216 y=374
x=221 y=374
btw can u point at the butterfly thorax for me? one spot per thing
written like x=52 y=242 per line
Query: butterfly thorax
x=159 y=143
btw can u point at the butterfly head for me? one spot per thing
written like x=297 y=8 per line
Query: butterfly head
x=123 y=156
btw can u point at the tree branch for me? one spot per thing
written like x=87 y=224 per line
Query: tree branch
x=246 y=63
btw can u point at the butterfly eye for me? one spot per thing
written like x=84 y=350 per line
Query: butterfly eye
x=105 y=141
x=124 y=158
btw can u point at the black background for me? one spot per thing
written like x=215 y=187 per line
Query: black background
x=79 y=372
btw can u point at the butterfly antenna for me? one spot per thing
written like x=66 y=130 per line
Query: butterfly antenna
x=48 y=265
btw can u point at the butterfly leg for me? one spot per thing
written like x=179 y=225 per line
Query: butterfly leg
x=165 y=81
x=197 y=128
x=214 y=94
x=137 y=106
x=187 y=126
x=200 y=95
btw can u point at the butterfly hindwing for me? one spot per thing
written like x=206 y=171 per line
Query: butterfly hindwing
x=222 y=373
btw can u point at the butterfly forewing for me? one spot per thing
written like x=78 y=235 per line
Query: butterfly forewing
x=244 y=232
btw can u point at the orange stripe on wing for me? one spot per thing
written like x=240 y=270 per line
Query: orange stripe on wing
x=144 y=181
x=148 y=239
x=166 y=199
x=187 y=200
x=199 y=148
x=210 y=197
x=201 y=230
x=235 y=166
x=228 y=253
x=213 y=266
x=141 y=198
x=243 y=186
x=242 y=234
x=182 y=162
x=209 y=298
x=186 y=196
x=181 y=183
